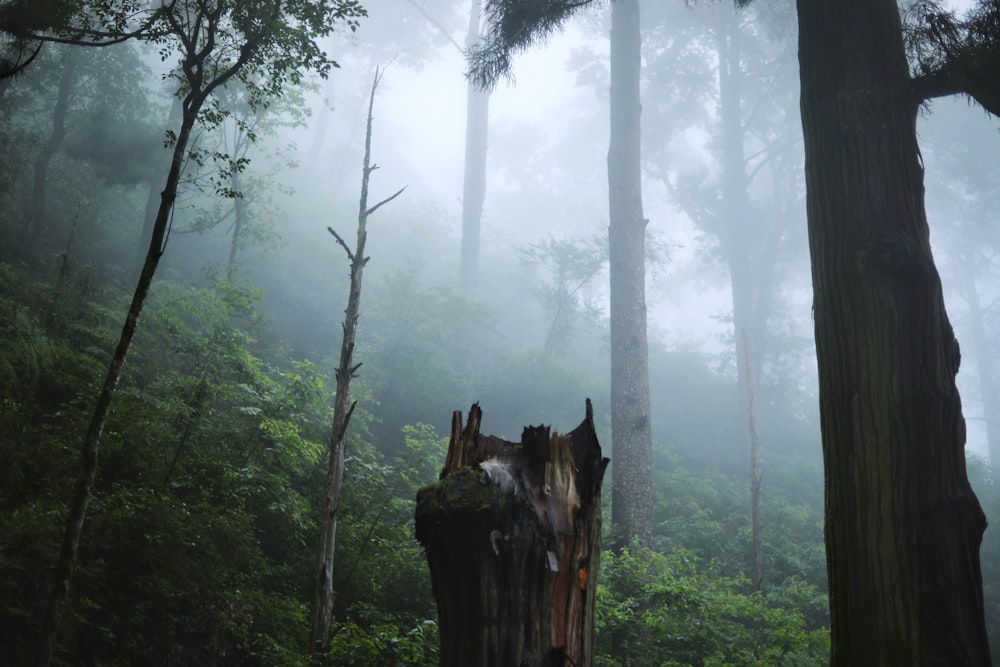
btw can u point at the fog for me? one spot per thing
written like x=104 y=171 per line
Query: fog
x=546 y=180
x=220 y=430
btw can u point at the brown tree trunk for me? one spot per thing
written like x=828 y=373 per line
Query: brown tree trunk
x=631 y=434
x=512 y=533
x=903 y=527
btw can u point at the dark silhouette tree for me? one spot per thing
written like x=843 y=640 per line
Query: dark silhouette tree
x=903 y=526
x=215 y=42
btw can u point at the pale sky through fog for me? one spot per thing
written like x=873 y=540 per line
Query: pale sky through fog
x=419 y=142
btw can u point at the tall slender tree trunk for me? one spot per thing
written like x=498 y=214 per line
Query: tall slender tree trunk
x=92 y=439
x=737 y=244
x=756 y=526
x=903 y=526
x=239 y=221
x=632 y=473
x=154 y=198
x=68 y=79
x=477 y=114
x=734 y=193
x=323 y=594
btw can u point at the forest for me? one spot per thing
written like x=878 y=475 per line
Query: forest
x=258 y=253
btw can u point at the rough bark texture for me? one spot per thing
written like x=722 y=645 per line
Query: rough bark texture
x=512 y=533
x=903 y=527
x=631 y=435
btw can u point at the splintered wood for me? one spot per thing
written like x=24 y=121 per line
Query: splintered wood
x=512 y=534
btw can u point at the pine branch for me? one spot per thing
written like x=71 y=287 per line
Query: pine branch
x=513 y=26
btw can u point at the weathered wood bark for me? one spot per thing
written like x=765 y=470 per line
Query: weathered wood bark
x=903 y=527
x=631 y=430
x=343 y=407
x=512 y=533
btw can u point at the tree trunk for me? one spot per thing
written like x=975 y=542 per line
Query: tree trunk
x=153 y=198
x=736 y=242
x=512 y=534
x=903 y=527
x=239 y=221
x=756 y=527
x=477 y=114
x=322 y=611
x=91 y=443
x=631 y=437
x=35 y=222
x=735 y=237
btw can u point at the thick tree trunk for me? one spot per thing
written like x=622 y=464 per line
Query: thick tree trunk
x=631 y=435
x=903 y=527
x=512 y=533
x=477 y=114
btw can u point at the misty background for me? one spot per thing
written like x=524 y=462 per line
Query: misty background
x=546 y=186
x=528 y=338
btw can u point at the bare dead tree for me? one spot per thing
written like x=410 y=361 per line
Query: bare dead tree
x=322 y=616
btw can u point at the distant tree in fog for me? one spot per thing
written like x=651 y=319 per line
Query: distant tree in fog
x=903 y=526
x=631 y=430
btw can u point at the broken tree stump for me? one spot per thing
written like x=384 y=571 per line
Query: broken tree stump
x=512 y=533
